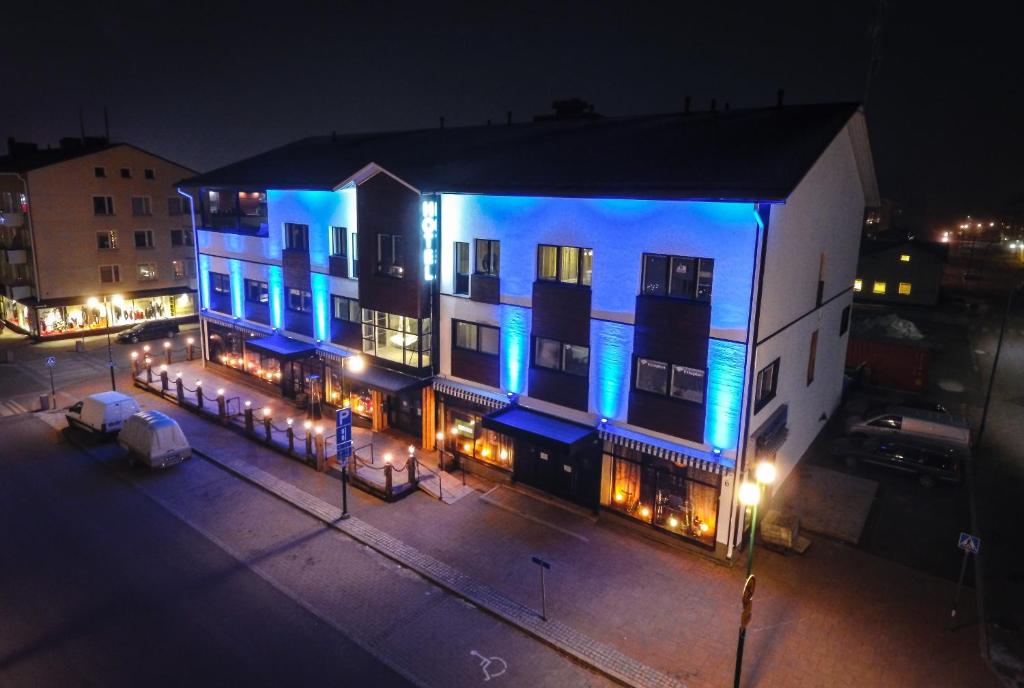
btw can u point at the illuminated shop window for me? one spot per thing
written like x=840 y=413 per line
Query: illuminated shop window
x=396 y=338
x=467 y=437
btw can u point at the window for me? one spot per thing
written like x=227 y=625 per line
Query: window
x=396 y=338
x=677 y=381
x=390 y=255
x=220 y=283
x=141 y=206
x=146 y=272
x=300 y=301
x=812 y=356
x=126 y=173
x=461 y=285
x=651 y=376
x=844 y=321
x=339 y=242
x=565 y=264
x=181 y=237
x=296 y=237
x=178 y=268
x=256 y=291
x=904 y=258
x=488 y=256
x=110 y=274
x=148 y=173
x=858 y=284
x=100 y=172
x=567 y=358
x=821 y=280
x=475 y=337
x=680 y=277
x=106 y=241
x=144 y=238
x=687 y=384
x=344 y=308
x=767 y=384
x=177 y=205
x=102 y=205
x=904 y=288
x=878 y=288
x=355 y=254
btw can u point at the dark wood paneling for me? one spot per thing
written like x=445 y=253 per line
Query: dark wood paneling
x=559 y=388
x=386 y=206
x=295 y=268
x=675 y=331
x=485 y=288
x=346 y=333
x=338 y=266
x=257 y=312
x=561 y=312
x=300 y=323
x=473 y=365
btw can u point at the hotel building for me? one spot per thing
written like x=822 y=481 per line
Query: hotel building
x=622 y=312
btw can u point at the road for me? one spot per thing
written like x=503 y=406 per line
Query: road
x=102 y=586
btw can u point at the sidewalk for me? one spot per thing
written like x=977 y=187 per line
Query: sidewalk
x=836 y=616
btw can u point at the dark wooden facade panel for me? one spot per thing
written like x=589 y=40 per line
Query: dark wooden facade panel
x=337 y=266
x=295 y=269
x=561 y=312
x=559 y=388
x=473 y=365
x=485 y=288
x=347 y=333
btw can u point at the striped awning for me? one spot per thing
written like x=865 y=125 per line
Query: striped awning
x=454 y=389
x=676 y=455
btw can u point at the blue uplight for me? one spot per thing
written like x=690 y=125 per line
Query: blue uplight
x=204 y=279
x=321 y=289
x=611 y=353
x=275 y=287
x=515 y=347
x=725 y=393
x=237 y=292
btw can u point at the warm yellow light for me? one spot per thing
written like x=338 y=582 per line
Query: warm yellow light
x=765 y=473
x=266 y=411
x=503 y=455
x=163 y=367
x=93 y=302
x=619 y=497
x=117 y=299
x=135 y=355
x=356 y=364
x=750 y=494
x=704 y=527
x=455 y=430
x=289 y=421
x=167 y=345
x=190 y=341
x=387 y=458
x=220 y=392
x=485 y=452
x=904 y=288
x=440 y=436
x=334 y=395
x=360 y=407
x=346 y=403
x=673 y=522
x=199 y=383
x=278 y=375
x=146 y=348
x=467 y=447
x=308 y=424
x=904 y=258
x=858 y=284
x=319 y=429
x=645 y=511
x=878 y=288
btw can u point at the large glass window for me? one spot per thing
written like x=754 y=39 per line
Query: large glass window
x=467 y=437
x=256 y=291
x=339 y=242
x=396 y=338
x=296 y=237
x=461 y=285
x=344 y=308
x=110 y=274
x=220 y=283
x=390 y=255
x=299 y=300
x=565 y=264
x=146 y=272
x=102 y=205
x=106 y=241
x=677 y=276
x=252 y=204
x=488 y=257
x=548 y=354
x=555 y=355
x=476 y=337
x=547 y=262
x=144 y=238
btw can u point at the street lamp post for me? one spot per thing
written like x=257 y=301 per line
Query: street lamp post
x=750 y=496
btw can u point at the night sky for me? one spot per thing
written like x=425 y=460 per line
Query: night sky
x=208 y=83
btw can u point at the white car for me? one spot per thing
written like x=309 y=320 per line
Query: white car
x=102 y=413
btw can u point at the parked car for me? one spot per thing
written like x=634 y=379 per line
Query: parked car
x=916 y=404
x=904 y=422
x=930 y=462
x=153 y=439
x=151 y=329
x=103 y=413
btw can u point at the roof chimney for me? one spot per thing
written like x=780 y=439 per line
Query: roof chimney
x=780 y=96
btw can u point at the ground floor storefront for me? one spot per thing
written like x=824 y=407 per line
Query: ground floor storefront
x=84 y=315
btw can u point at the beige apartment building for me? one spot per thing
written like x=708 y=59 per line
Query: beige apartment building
x=93 y=235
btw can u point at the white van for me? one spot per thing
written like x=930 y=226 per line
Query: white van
x=153 y=439
x=103 y=413
x=900 y=421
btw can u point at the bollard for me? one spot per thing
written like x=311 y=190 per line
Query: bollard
x=222 y=410
x=149 y=370
x=410 y=466
x=179 y=387
x=167 y=352
x=190 y=348
x=291 y=436
x=249 y=427
x=199 y=393
x=266 y=425
x=387 y=480
x=321 y=453
x=309 y=440
x=164 y=384
x=135 y=364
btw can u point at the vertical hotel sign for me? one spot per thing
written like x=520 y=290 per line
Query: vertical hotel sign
x=428 y=228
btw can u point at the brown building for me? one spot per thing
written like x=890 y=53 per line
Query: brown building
x=93 y=235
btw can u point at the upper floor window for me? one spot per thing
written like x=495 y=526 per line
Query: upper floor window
x=878 y=288
x=858 y=284
x=181 y=237
x=144 y=238
x=221 y=202
x=100 y=172
x=149 y=174
x=252 y=204
x=300 y=300
x=676 y=381
x=126 y=173
x=220 y=283
x=355 y=254
x=767 y=384
x=106 y=240
x=487 y=256
x=812 y=357
x=296 y=237
x=103 y=205
x=110 y=274
x=256 y=291
x=178 y=268
x=141 y=205
x=235 y=210
x=339 y=242
x=461 y=286
x=555 y=355
x=146 y=272
x=904 y=258
x=177 y=205
x=476 y=337
x=565 y=264
x=677 y=276
x=344 y=308
x=390 y=255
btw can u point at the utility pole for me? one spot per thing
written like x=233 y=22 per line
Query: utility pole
x=110 y=353
x=995 y=363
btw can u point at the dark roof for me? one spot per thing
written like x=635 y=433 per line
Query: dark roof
x=387 y=380
x=516 y=421
x=281 y=346
x=25 y=160
x=757 y=154
x=870 y=247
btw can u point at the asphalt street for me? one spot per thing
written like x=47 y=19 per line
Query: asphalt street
x=102 y=586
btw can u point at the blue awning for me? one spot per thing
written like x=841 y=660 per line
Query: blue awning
x=280 y=345
x=518 y=421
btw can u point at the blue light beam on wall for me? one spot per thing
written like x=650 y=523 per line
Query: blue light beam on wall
x=611 y=354
x=237 y=293
x=321 y=287
x=275 y=285
x=515 y=348
x=204 y=278
x=725 y=394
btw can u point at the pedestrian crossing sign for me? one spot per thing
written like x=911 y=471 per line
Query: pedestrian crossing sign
x=969 y=543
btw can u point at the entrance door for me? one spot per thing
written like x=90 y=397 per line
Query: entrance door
x=572 y=477
x=295 y=382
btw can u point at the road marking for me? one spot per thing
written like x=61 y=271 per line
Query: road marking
x=492 y=667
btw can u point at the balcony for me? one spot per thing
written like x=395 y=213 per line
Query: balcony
x=12 y=219
x=15 y=257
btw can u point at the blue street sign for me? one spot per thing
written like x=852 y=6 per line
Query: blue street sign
x=540 y=562
x=343 y=436
x=969 y=543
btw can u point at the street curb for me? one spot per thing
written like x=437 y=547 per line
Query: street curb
x=591 y=653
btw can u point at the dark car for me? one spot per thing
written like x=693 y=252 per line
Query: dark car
x=152 y=329
x=929 y=462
